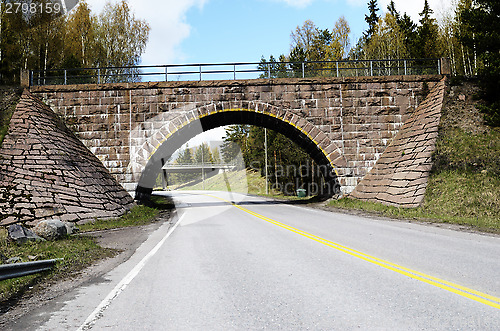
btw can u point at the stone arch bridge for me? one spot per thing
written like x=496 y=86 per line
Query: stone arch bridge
x=345 y=124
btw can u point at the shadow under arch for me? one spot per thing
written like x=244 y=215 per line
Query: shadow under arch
x=232 y=117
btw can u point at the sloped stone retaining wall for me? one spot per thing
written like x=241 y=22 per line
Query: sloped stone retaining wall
x=399 y=177
x=46 y=172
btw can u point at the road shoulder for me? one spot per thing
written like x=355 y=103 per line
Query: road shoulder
x=31 y=308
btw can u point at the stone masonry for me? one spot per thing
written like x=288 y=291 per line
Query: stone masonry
x=399 y=178
x=351 y=120
x=46 y=172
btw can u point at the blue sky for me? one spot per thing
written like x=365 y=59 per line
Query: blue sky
x=228 y=31
x=216 y=31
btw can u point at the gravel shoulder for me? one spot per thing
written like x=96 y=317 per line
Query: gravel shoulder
x=43 y=294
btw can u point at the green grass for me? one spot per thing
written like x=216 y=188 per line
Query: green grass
x=139 y=215
x=463 y=189
x=241 y=181
x=459 y=150
x=77 y=252
x=234 y=181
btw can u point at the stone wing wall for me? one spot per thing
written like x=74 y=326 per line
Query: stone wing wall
x=47 y=172
x=399 y=178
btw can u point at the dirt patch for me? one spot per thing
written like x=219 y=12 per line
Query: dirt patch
x=125 y=241
x=460 y=109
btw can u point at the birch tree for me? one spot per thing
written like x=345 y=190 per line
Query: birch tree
x=387 y=40
x=120 y=41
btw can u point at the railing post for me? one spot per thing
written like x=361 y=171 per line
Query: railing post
x=65 y=77
x=25 y=78
x=445 y=66
x=234 y=71
x=269 y=70
x=371 y=68
x=439 y=66
x=99 y=76
x=31 y=78
x=166 y=74
x=303 y=70
x=200 y=72
x=337 y=65
x=406 y=72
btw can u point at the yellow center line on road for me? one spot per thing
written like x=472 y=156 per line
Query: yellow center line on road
x=443 y=284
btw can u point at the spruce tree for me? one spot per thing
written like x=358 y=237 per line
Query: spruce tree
x=428 y=35
x=371 y=19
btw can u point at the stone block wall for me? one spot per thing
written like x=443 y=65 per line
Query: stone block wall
x=46 y=171
x=399 y=177
x=359 y=116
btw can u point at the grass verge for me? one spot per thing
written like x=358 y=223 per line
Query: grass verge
x=77 y=251
x=139 y=215
x=463 y=188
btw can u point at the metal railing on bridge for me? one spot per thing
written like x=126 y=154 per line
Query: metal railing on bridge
x=234 y=71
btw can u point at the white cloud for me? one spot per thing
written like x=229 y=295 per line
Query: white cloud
x=297 y=3
x=169 y=27
x=357 y=3
x=411 y=7
x=414 y=7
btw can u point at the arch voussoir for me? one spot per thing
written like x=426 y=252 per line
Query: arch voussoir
x=305 y=133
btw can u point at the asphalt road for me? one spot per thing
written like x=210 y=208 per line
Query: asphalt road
x=258 y=265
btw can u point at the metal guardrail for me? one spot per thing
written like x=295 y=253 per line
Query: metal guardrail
x=233 y=71
x=197 y=165
x=15 y=270
x=200 y=167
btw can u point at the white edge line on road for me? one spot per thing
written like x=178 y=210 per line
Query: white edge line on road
x=98 y=312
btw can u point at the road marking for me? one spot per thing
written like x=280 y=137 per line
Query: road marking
x=98 y=312
x=443 y=284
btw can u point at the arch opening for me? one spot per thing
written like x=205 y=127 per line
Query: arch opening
x=245 y=117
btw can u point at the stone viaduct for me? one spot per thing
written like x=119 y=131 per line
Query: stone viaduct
x=345 y=124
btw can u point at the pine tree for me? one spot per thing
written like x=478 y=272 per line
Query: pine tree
x=428 y=44
x=203 y=154
x=409 y=30
x=235 y=142
x=216 y=155
x=371 y=19
x=426 y=13
x=296 y=57
x=391 y=7
x=184 y=157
